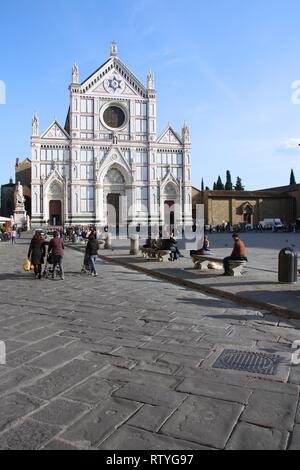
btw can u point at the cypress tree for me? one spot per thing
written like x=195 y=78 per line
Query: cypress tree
x=220 y=186
x=292 y=178
x=215 y=186
x=202 y=185
x=229 y=185
x=239 y=185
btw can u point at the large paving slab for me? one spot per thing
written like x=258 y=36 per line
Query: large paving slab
x=259 y=285
x=125 y=361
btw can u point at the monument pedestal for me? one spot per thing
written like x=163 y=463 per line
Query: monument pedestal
x=20 y=218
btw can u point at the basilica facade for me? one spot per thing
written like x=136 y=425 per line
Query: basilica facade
x=107 y=165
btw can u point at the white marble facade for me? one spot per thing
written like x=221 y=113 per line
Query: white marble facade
x=108 y=154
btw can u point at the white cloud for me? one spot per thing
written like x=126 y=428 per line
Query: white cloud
x=292 y=143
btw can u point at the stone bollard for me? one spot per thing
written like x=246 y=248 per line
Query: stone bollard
x=108 y=242
x=134 y=245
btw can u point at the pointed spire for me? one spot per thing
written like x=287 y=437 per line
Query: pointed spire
x=185 y=133
x=35 y=125
x=150 y=81
x=114 y=49
x=75 y=73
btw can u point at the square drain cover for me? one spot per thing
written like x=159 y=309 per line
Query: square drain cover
x=255 y=363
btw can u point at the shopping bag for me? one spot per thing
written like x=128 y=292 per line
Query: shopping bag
x=27 y=265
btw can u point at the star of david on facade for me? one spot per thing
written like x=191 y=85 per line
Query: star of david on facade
x=115 y=84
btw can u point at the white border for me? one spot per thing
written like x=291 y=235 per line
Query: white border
x=118 y=105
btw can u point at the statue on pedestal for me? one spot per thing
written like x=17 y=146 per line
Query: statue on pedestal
x=35 y=125
x=150 y=81
x=75 y=73
x=19 y=196
x=186 y=133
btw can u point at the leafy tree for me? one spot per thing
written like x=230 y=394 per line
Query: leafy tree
x=239 y=185
x=220 y=186
x=292 y=178
x=207 y=188
x=228 y=185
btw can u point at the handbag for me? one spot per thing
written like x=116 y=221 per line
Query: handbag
x=27 y=265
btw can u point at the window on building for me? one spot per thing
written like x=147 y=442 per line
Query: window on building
x=142 y=199
x=87 y=123
x=141 y=125
x=142 y=157
x=142 y=173
x=87 y=155
x=75 y=122
x=66 y=154
x=87 y=106
x=87 y=199
x=127 y=156
x=87 y=172
x=141 y=109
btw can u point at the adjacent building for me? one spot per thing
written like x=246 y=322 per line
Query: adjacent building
x=248 y=207
x=107 y=164
x=7 y=199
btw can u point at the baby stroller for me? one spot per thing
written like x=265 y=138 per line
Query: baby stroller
x=48 y=268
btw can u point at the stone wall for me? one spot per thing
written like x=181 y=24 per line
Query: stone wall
x=252 y=207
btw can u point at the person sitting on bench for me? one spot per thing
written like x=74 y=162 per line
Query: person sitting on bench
x=239 y=253
x=175 y=253
x=205 y=250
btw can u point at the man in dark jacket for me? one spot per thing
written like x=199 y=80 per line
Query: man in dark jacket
x=92 y=252
x=56 y=249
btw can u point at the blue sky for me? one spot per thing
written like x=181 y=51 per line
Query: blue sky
x=225 y=66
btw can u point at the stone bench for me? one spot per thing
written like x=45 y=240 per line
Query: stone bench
x=204 y=263
x=148 y=253
x=155 y=253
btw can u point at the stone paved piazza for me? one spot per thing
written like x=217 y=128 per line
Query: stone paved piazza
x=124 y=361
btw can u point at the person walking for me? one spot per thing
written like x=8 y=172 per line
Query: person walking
x=92 y=248
x=239 y=253
x=36 y=254
x=14 y=237
x=57 y=250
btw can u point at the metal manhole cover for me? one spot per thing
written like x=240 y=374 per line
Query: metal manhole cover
x=255 y=363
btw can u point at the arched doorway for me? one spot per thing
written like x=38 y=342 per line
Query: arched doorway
x=114 y=189
x=248 y=213
x=55 y=213
x=170 y=206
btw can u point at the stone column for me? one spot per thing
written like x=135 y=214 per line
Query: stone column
x=134 y=245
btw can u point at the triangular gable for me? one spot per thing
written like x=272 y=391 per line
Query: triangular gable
x=115 y=156
x=169 y=178
x=169 y=136
x=54 y=177
x=55 y=131
x=114 y=68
